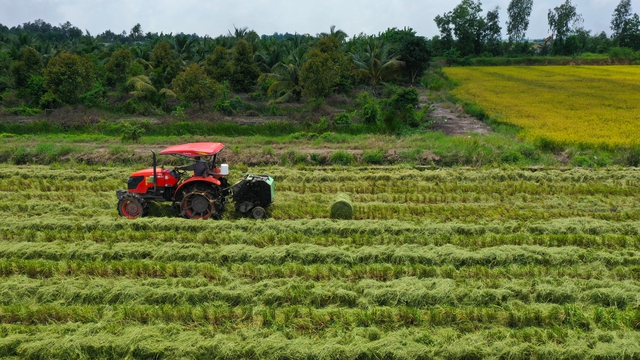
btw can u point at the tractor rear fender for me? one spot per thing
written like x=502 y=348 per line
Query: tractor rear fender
x=197 y=179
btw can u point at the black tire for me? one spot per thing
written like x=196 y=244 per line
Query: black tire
x=258 y=212
x=200 y=201
x=132 y=206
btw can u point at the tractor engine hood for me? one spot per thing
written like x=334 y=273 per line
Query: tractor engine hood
x=161 y=173
x=142 y=180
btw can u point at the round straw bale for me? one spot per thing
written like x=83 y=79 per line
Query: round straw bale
x=342 y=208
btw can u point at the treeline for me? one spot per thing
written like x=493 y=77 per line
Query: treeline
x=466 y=32
x=151 y=73
x=47 y=67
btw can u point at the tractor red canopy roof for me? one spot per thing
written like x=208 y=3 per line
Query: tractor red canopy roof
x=194 y=149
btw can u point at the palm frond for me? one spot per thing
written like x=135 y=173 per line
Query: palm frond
x=283 y=99
x=142 y=85
x=168 y=93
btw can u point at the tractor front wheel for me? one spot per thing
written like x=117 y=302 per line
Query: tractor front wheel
x=132 y=206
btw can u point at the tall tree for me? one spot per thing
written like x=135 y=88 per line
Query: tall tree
x=118 y=66
x=284 y=82
x=29 y=64
x=244 y=72
x=414 y=50
x=342 y=66
x=68 y=76
x=317 y=75
x=194 y=86
x=165 y=66
x=270 y=52
x=621 y=15
x=519 y=12
x=466 y=24
x=218 y=64
x=625 y=26
x=563 y=20
x=144 y=90
x=69 y=31
x=136 y=32
x=337 y=34
x=375 y=60
x=493 y=32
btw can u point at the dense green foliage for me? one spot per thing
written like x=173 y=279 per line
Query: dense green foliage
x=47 y=67
x=194 y=86
x=69 y=76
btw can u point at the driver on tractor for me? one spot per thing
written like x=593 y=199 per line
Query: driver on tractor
x=199 y=168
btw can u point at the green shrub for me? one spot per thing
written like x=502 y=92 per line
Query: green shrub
x=135 y=106
x=318 y=159
x=116 y=150
x=341 y=157
x=232 y=106
x=342 y=120
x=512 y=157
x=434 y=80
x=257 y=96
x=293 y=157
x=50 y=101
x=582 y=161
x=178 y=112
x=321 y=126
x=369 y=111
x=373 y=156
x=271 y=110
x=130 y=131
x=224 y=106
x=95 y=98
x=528 y=151
x=631 y=157
x=399 y=109
x=268 y=150
x=23 y=111
x=546 y=144
x=621 y=53
x=238 y=105
x=301 y=135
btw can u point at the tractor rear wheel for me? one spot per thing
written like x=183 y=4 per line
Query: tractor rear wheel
x=132 y=206
x=199 y=202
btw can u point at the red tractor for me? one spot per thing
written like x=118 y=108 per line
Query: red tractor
x=202 y=195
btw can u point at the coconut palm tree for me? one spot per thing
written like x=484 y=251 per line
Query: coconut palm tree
x=286 y=81
x=375 y=60
x=270 y=51
x=338 y=34
x=183 y=45
x=144 y=89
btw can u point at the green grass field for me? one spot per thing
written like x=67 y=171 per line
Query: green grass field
x=446 y=264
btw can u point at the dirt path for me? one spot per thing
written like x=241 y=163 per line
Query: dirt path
x=452 y=120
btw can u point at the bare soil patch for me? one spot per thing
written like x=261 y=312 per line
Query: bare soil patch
x=452 y=120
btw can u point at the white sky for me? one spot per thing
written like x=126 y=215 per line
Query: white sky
x=216 y=17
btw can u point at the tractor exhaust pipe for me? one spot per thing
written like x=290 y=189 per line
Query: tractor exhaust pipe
x=155 y=175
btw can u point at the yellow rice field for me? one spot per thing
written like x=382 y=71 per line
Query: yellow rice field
x=596 y=105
